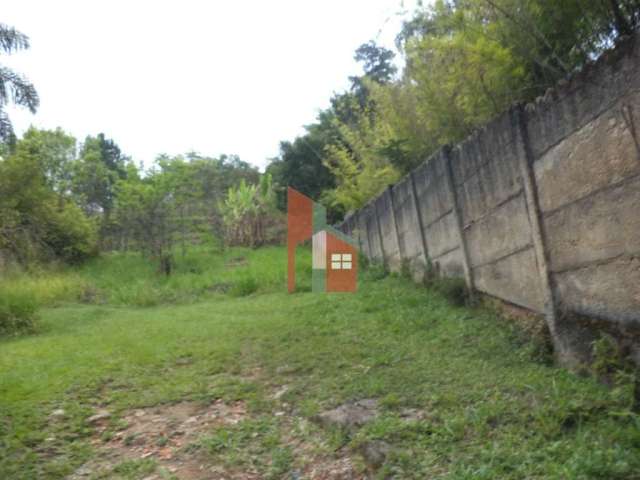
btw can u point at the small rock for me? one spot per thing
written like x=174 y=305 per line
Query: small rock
x=102 y=415
x=286 y=369
x=412 y=414
x=279 y=414
x=49 y=439
x=349 y=416
x=278 y=395
x=375 y=453
x=58 y=413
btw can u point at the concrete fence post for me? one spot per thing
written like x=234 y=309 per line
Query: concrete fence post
x=535 y=218
x=416 y=208
x=448 y=177
x=358 y=231
x=394 y=221
x=369 y=241
x=376 y=214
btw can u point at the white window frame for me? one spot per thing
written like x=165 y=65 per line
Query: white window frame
x=341 y=261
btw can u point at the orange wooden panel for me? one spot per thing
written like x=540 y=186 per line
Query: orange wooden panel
x=299 y=229
x=341 y=280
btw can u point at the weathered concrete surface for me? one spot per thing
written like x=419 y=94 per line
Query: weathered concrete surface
x=441 y=236
x=503 y=231
x=514 y=278
x=387 y=227
x=609 y=291
x=600 y=154
x=407 y=221
x=485 y=169
x=599 y=227
x=432 y=191
x=449 y=264
x=373 y=236
x=437 y=208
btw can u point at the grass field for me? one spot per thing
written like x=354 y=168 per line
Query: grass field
x=222 y=333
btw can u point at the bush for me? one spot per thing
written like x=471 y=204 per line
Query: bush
x=243 y=287
x=453 y=289
x=70 y=234
x=17 y=311
x=375 y=271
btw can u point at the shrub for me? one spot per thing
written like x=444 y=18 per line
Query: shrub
x=17 y=311
x=70 y=234
x=453 y=289
x=375 y=271
x=243 y=287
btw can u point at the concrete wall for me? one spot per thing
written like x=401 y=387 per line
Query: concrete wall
x=540 y=208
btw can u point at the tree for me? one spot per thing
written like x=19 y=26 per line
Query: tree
x=377 y=63
x=56 y=152
x=38 y=222
x=14 y=88
x=301 y=163
x=95 y=173
x=358 y=160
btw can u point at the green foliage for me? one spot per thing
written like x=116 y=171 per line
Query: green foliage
x=13 y=86
x=38 y=219
x=249 y=213
x=175 y=202
x=18 y=309
x=300 y=165
x=244 y=286
x=453 y=289
x=70 y=234
x=358 y=161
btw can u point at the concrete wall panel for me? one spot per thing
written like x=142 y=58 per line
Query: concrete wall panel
x=449 y=264
x=608 y=291
x=500 y=233
x=600 y=154
x=387 y=227
x=442 y=236
x=514 y=278
x=597 y=228
x=407 y=220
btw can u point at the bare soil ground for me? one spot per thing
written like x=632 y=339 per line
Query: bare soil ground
x=166 y=435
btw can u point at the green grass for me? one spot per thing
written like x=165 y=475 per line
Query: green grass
x=490 y=411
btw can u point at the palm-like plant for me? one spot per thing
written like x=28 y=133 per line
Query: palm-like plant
x=245 y=211
x=14 y=87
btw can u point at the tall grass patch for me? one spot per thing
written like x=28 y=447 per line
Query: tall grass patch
x=18 y=309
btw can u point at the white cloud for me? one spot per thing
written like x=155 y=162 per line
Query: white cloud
x=172 y=76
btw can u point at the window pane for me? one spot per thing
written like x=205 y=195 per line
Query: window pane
x=346 y=257
x=346 y=265
x=335 y=257
x=335 y=265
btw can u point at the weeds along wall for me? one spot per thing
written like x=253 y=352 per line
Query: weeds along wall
x=540 y=208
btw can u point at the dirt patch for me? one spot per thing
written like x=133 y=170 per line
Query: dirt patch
x=160 y=434
x=163 y=436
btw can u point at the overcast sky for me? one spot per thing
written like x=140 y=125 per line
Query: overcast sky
x=173 y=76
